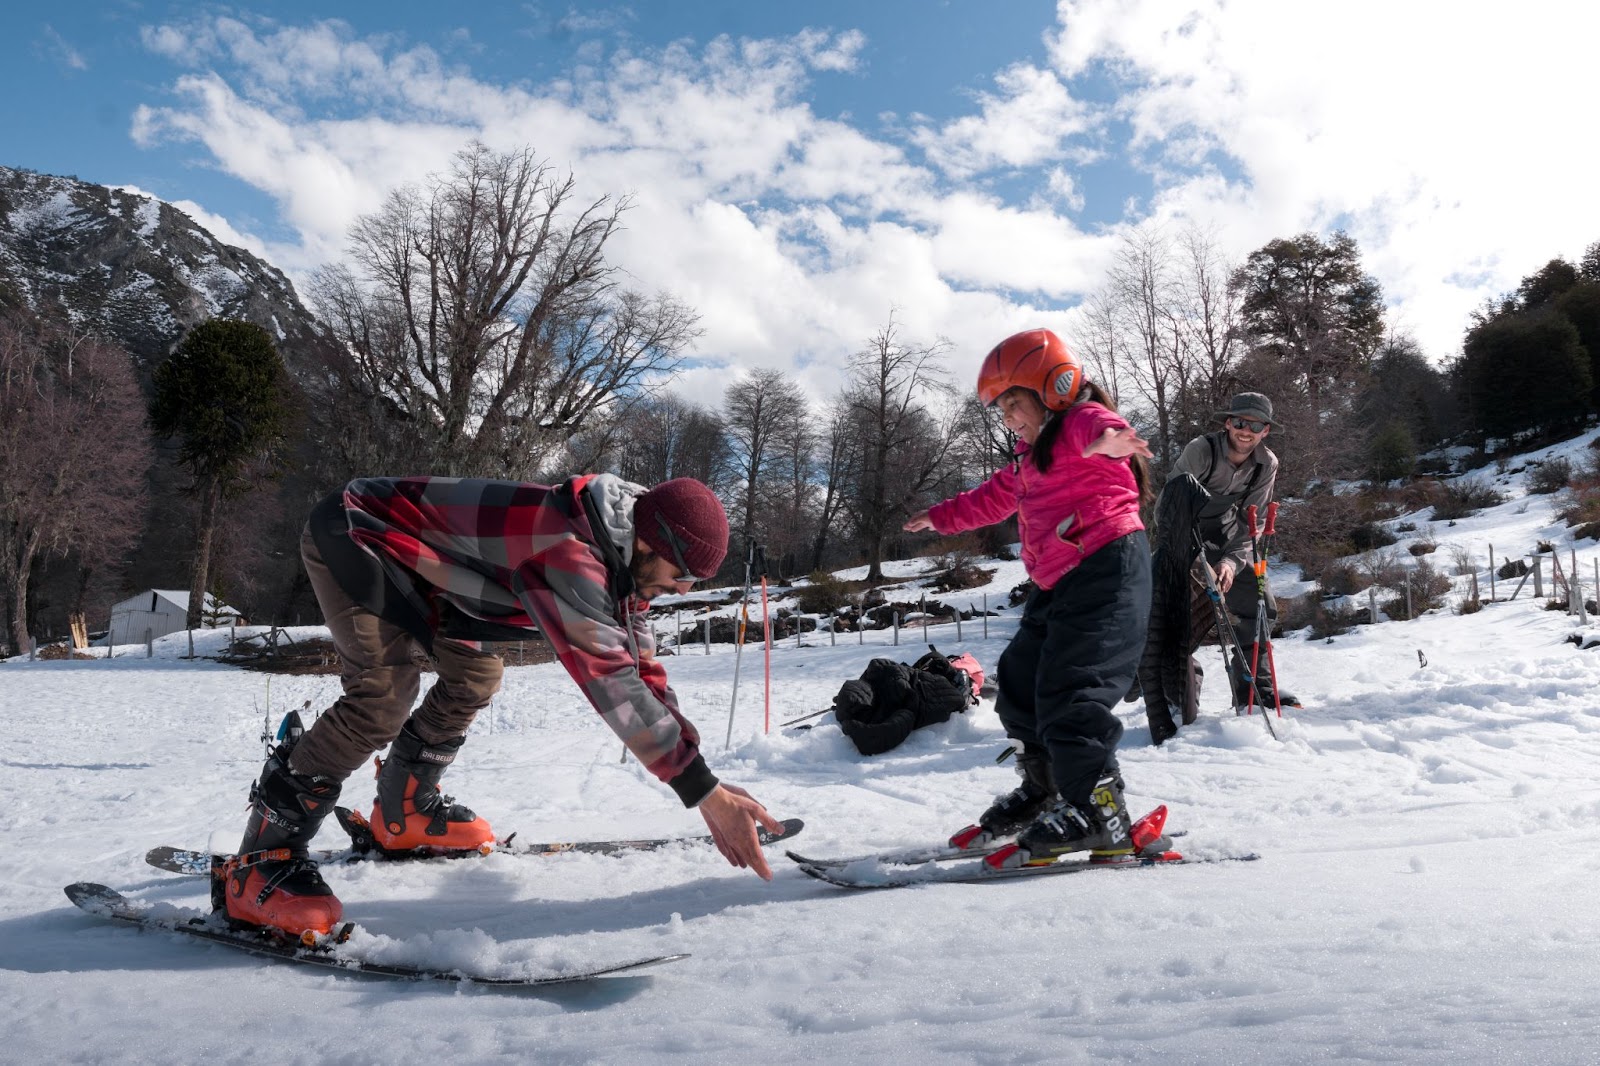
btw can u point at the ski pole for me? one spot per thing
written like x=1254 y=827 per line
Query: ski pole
x=1226 y=638
x=738 y=639
x=1259 y=571
x=804 y=717
x=766 y=643
x=1263 y=635
x=1267 y=537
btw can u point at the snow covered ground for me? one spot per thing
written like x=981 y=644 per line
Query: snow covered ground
x=1427 y=891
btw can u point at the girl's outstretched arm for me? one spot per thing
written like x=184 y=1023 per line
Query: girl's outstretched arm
x=1117 y=443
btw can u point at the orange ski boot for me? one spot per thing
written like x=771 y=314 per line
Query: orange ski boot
x=272 y=882
x=409 y=813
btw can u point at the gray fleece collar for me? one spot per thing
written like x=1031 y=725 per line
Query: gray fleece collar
x=614 y=499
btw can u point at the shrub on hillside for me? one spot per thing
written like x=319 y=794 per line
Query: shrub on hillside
x=1463 y=498
x=1391 y=453
x=825 y=594
x=1384 y=569
x=1428 y=591
x=1332 y=621
x=1341 y=577
x=957 y=568
x=1512 y=568
x=1550 y=476
x=1369 y=535
x=1297 y=612
x=1316 y=528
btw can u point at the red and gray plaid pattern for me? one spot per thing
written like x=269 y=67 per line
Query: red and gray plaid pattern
x=527 y=556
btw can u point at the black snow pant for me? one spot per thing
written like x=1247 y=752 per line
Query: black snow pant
x=1073 y=658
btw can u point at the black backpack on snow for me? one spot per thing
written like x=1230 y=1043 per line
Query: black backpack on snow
x=891 y=699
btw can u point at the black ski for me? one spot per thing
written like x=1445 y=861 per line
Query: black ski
x=329 y=951
x=364 y=849
x=919 y=856
x=871 y=874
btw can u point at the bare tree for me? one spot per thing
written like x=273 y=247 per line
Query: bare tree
x=668 y=438
x=839 y=456
x=1099 y=341
x=758 y=407
x=1147 y=303
x=794 y=490
x=903 y=445
x=482 y=325
x=73 y=454
x=1212 y=310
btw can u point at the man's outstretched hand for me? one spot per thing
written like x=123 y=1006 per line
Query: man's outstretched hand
x=731 y=814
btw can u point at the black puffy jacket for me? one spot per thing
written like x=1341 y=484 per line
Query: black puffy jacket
x=891 y=699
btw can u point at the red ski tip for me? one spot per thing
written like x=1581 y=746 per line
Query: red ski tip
x=972 y=836
x=1147 y=830
x=1008 y=856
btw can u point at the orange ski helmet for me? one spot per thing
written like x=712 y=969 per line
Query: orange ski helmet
x=1034 y=359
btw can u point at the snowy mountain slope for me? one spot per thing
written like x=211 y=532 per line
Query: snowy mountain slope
x=137 y=269
x=1426 y=891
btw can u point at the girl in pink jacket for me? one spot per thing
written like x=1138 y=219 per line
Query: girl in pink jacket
x=1075 y=487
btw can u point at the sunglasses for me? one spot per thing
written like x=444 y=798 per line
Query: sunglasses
x=676 y=544
x=1248 y=423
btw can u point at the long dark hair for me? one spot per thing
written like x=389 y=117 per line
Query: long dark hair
x=1044 y=448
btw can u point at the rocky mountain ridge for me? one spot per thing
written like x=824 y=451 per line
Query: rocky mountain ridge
x=138 y=270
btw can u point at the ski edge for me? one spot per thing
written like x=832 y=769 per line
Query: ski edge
x=105 y=902
x=191 y=863
x=833 y=875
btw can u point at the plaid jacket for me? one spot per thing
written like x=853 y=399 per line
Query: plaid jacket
x=477 y=560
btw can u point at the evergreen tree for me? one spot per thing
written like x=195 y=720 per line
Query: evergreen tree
x=1527 y=371
x=225 y=396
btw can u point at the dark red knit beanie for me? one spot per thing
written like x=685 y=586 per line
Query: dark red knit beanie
x=683 y=520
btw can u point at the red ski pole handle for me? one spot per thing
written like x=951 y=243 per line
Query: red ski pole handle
x=1250 y=519
x=1272 y=519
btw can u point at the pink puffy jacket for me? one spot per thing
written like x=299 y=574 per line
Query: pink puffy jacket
x=1064 y=516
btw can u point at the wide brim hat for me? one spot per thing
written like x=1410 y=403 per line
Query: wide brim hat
x=1251 y=405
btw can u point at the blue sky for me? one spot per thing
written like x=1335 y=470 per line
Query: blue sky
x=802 y=170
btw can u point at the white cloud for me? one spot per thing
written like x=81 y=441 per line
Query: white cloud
x=1447 y=150
x=62 y=52
x=793 y=236
x=1444 y=143
x=1027 y=124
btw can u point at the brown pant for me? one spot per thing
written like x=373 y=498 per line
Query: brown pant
x=381 y=676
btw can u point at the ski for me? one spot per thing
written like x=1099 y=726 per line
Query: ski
x=916 y=856
x=330 y=951
x=973 y=843
x=874 y=875
x=363 y=848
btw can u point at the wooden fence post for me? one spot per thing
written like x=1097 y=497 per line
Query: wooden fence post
x=1577 y=591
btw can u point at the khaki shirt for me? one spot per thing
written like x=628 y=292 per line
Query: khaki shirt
x=1206 y=459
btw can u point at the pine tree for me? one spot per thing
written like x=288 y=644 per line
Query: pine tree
x=225 y=396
